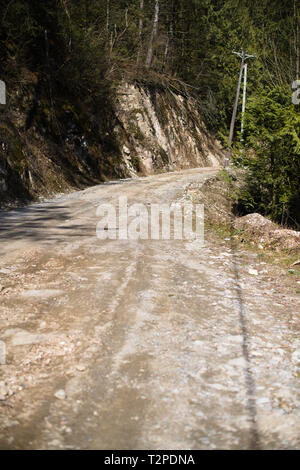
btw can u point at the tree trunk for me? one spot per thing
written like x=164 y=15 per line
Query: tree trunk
x=107 y=14
x=141 y=23
x=166 y=51
x=153 y=35
x=169 y=35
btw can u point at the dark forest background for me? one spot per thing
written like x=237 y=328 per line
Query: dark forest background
x=79 y=50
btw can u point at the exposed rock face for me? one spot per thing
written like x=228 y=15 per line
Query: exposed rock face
x=46 y=150
x=159 y=130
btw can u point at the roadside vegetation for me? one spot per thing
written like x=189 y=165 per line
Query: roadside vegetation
x=272 y=243
x=271 y=156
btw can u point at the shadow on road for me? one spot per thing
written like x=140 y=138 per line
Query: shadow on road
x=246 y=346
x=42 y=223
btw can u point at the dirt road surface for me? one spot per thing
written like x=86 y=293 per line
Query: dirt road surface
x=141 y=344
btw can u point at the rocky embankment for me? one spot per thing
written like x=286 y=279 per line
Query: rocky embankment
x=52 y=148
x=266 y=233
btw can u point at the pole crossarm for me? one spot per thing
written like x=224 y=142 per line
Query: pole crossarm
x=243 y=55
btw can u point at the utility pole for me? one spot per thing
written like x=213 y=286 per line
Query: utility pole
x=244 y=102
x=243 y=56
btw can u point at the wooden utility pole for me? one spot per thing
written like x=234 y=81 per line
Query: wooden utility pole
x=244 y=57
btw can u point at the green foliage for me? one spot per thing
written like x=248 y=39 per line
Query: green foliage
x=78 y=51
x=272 y=134
x=92 y=43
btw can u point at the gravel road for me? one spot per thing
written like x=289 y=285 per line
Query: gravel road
x=153 y=344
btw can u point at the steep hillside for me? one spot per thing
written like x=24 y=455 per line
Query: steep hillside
x=159 y=130
x=45 y=149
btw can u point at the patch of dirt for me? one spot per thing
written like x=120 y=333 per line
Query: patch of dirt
x=258 y=228
x=215 y=196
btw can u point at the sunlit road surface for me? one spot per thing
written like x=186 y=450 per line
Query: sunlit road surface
x=150 y=344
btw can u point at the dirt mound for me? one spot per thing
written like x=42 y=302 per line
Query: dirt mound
x=262 y=230
x=254 y=223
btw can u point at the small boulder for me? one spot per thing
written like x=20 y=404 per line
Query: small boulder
x=60 y=394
